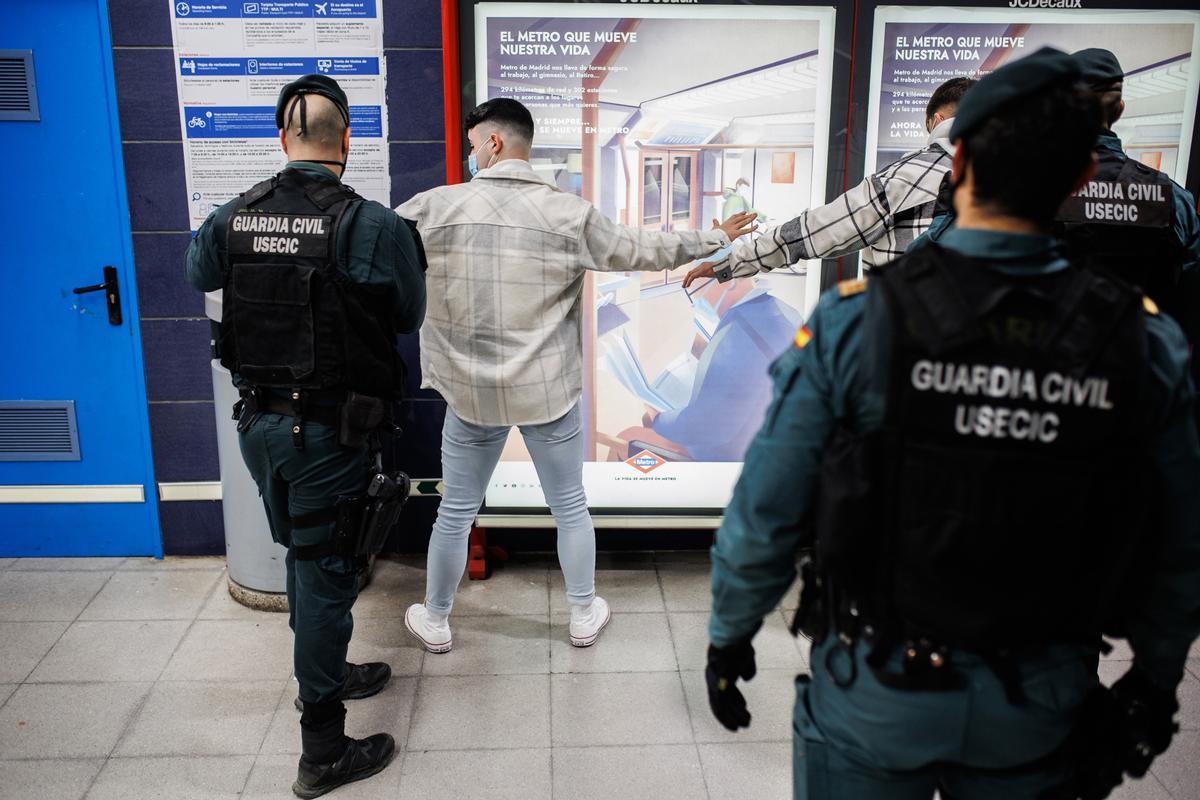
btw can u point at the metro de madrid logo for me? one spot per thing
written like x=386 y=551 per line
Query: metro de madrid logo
x=1045 y=3
x=646 y=462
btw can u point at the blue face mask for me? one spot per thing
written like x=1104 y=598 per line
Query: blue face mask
x=472 y=165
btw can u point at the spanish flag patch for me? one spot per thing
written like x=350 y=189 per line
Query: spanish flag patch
x=803 y=336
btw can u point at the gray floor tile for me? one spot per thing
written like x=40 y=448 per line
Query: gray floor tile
x=394 y=587
x=111 y=651
x=483 y=711
x=6 y=690
x=769 y=697
x=34 y=596
x=687 y=587
x=774 y=645
x=628 y=773
x=673 y=559
x=182 y=778
x=1178 y=769
x=630 y=643
x=221 y=605
x=201 y=563
x=1194 y=667
x=737 y=771
x=494 y=646
x=152 y=595
x=1148 y=788
x=494 y=774
x=272 y=779
x=67 y=720
x=378 y=639
x=210 y=719
x=47 y=780
x=512 y=589
x=230 y=649
x=67 y=564
x=619 y=709
x=390 y=711
x=5 y=563
x=627 y=591
x=620 y=559
x=25 y=643
x=1195 y=651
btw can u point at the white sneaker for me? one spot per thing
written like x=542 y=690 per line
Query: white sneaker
x=588 y=621
x=432 y=630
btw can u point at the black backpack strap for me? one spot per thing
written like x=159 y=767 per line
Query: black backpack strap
x=931 y=304
x=1095 y=304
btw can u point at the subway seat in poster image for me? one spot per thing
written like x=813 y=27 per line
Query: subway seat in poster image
x=669 y=123
x=917 y=49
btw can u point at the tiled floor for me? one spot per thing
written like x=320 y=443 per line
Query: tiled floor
x=140 y=679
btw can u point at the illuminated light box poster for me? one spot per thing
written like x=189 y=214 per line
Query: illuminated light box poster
x=917 y=49
x=231 y=59
x=655 y=115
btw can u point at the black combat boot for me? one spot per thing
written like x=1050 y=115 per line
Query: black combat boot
x=362 y=680
x=331 y=758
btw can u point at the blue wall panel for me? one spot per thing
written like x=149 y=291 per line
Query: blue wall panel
x=149 y=105
x=177 y=359
x=414 y=95
x=163 y=290
x=197 y=528
x=157 y=192
x=415 y=168
x=139 y=23
x=184 y=439
x=412 y=23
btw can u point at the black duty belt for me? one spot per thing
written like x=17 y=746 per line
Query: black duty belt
x=266 y=403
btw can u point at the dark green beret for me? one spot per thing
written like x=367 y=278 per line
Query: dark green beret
x=1021 y=78
x=1099 y=67
x=312 y=84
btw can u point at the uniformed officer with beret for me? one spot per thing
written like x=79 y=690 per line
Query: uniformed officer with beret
x=317 y=281
x=963 y=454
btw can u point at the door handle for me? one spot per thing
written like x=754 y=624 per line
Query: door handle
x=112 y=294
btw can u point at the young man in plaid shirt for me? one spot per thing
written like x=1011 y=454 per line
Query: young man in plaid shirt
x=881 y=216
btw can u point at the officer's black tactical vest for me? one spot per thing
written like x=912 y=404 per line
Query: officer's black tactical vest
x=292 y=319
x=999 y=507
x=1121 y=221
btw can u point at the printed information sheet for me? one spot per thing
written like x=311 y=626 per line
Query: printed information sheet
x=231 y=60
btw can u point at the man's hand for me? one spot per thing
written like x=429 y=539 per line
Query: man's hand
x=738 y=224
x=725 y=666
x=697 y=272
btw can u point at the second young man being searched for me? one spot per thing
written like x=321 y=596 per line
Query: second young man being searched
x=501 y=342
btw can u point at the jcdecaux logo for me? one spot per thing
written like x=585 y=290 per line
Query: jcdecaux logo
x=1045 y=3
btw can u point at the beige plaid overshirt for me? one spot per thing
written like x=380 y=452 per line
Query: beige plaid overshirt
x=507 y=253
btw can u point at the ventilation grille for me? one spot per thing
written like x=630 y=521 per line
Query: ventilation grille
x=38 y=431
x=18 y=92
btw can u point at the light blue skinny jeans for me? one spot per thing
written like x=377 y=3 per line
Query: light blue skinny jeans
x=469 y=456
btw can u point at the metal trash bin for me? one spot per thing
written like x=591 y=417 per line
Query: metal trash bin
x=257 y=572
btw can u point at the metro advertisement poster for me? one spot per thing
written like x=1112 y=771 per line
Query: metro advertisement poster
x=915 y=50
x=667 y=118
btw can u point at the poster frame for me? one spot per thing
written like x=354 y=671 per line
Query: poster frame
x=865 y=58
x=459 y=69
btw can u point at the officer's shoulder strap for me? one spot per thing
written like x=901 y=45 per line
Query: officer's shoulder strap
x=1094 y=305
x=259 y=190
x=851 y=287
x=932 y=305
x=324 y=194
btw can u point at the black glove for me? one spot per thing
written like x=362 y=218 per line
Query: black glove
x=725 y=666
x=1147 y=720
x=1119 y=730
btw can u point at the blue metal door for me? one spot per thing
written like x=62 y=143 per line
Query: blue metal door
x=75 y=470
